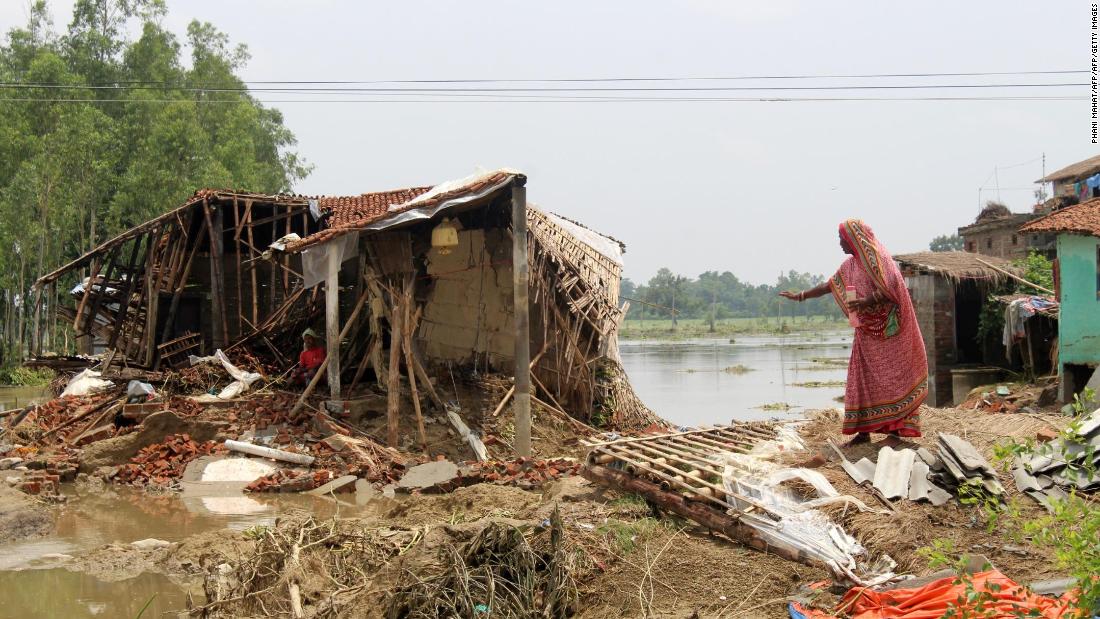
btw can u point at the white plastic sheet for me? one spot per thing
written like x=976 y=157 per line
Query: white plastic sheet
x=315 y=259
x=242 y=380
x=87 y=381
x=801 y=526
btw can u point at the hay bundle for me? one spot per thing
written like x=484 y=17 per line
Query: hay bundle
x=498 y=573
x=303 y=568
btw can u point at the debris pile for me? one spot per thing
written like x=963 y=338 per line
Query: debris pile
x=162 y=463
x=500 y=572
x=1070 y=461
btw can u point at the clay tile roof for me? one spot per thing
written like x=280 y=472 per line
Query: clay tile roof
x=349 y=211
x=1083 y=218
x=352 y=212
x=1088 y=167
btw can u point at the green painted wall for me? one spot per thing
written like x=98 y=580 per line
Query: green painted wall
x=1079 y=322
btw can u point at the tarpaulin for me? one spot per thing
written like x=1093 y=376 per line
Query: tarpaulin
x=1005 y=599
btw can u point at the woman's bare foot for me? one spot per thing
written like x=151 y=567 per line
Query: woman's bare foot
x=892 y=441
x=859 y=439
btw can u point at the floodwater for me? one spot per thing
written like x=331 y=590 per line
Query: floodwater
x=692 y=382
x=34 y=585
x=18 y=397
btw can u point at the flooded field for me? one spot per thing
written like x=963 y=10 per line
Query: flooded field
x=714 y=381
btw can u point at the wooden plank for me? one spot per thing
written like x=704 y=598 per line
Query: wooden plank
x=215 y=231
x=237 y=273
x=393 y=385
x=253 y=254
x=96 y=264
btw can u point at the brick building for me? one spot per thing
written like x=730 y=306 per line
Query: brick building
x=949 y=291
x=996 y=232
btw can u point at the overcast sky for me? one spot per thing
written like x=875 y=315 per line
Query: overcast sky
x=750 y=187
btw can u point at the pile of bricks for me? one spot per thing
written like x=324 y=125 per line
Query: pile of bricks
x=523 y=472
x=162 y=463
x=287 y=480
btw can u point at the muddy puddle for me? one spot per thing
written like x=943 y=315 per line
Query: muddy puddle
x=61 y=593
x=35 y=583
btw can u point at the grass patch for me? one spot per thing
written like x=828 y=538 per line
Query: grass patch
x=775 y=406
x=733 y=369
x=822 y=383
x=699 y=328
x=626 y=536
x=839 y=399
x=832 y=361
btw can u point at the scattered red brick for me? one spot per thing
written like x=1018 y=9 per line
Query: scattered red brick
x=162 y=463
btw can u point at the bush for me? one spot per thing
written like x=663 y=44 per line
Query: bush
x=20 y=376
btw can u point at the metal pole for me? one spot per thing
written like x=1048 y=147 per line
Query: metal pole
x=521 y=402
x=332 y=319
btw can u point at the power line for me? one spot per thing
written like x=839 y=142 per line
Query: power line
x=549 y=100
x=634 y=79
x=22 y=86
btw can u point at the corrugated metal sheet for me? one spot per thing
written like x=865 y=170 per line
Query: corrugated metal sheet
x=893 y=471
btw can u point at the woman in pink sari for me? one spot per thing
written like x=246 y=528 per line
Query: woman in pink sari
x=888 y=369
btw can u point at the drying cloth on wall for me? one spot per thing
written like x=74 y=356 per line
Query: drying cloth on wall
x=1016 y=314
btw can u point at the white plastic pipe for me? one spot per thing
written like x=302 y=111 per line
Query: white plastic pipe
x=267 y=452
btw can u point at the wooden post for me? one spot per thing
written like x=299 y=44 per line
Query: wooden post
x=521 y=402
x=393 y=385
x=332 y=319
x=217 y=302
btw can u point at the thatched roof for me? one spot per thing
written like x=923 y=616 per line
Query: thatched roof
x=993 y=210
x=956 y=265
x=1088 y=167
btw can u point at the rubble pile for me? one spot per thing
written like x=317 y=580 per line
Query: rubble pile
x=1012 y=400
x=162 y=463
x=524 y=472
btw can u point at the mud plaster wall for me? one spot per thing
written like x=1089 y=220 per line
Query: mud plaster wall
x=468 y=310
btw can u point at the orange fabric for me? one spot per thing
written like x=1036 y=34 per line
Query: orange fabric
x=932 y=600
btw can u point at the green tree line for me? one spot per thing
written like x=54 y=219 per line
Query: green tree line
x=109 y=123
x=715 y=296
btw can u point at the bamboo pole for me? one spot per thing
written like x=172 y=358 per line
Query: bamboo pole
x=406 y=339
x=332 y=321
x=1015 y=277
x=393 y=385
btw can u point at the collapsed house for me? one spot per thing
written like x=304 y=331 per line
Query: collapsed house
x=421 y=277
x=951 y=291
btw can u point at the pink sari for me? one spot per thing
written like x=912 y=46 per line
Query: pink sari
x=888 y=369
